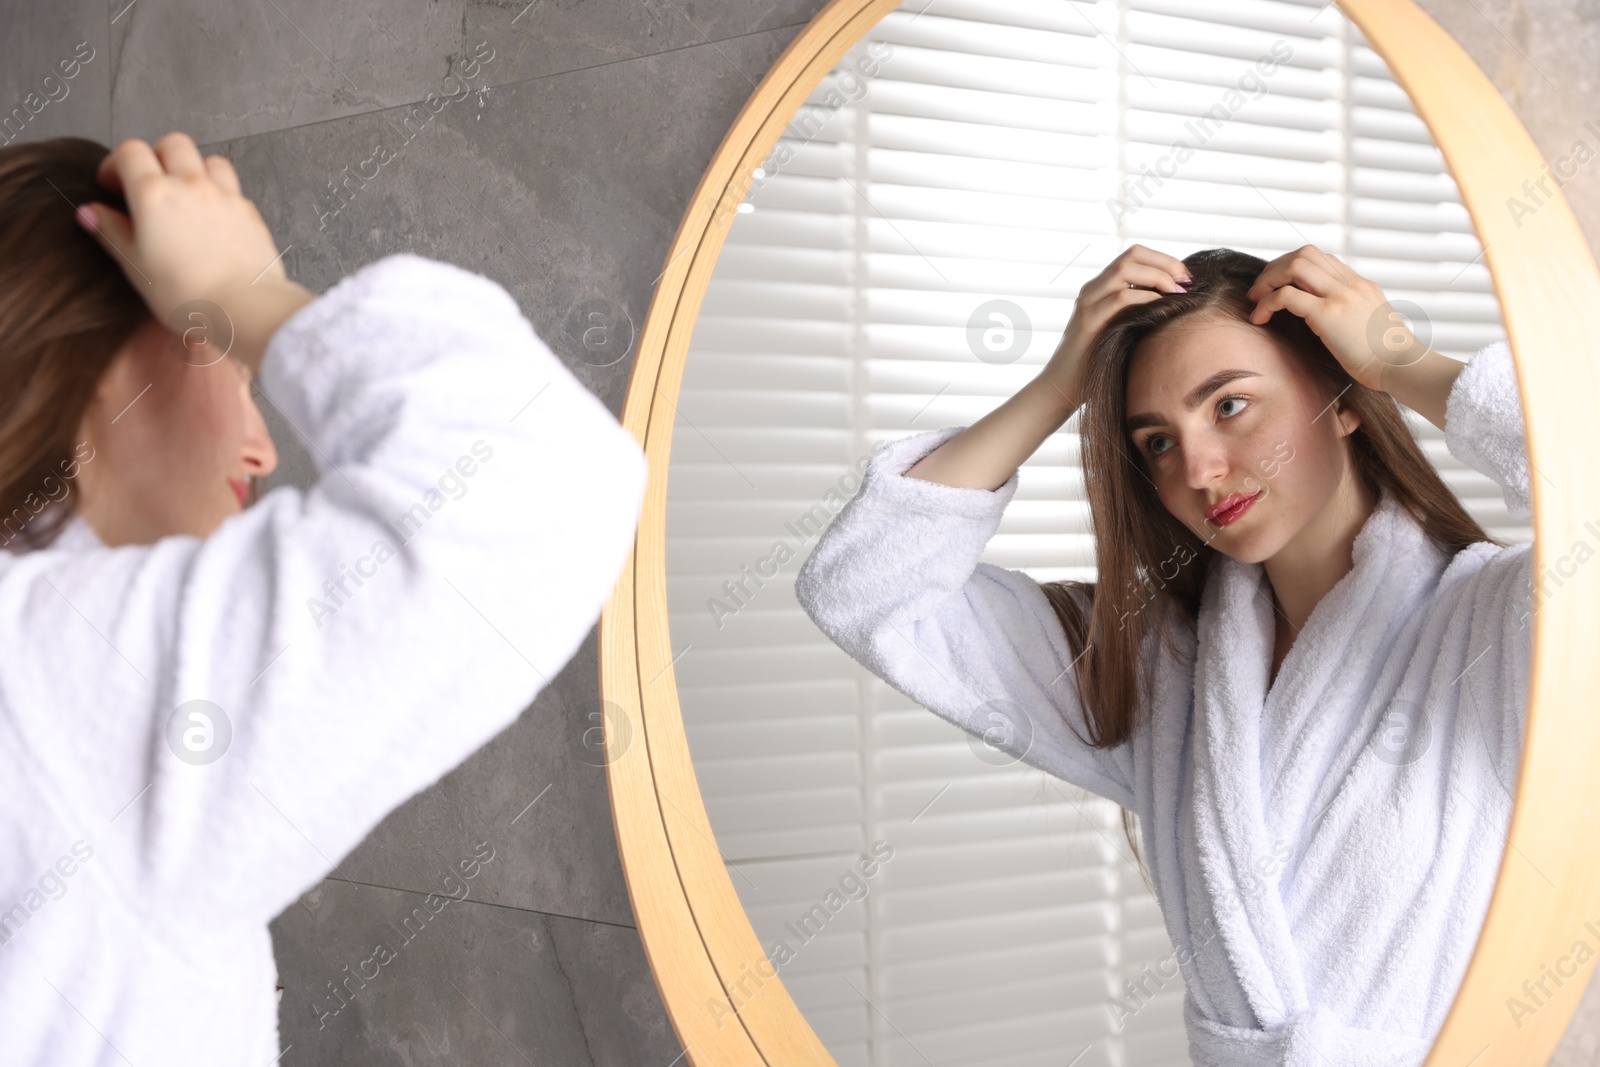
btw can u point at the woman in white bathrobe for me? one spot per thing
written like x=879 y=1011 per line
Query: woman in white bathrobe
x=1303 y=666
x=205 y=702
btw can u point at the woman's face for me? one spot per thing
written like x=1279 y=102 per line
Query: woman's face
x=1218 y=410
x=175 y=441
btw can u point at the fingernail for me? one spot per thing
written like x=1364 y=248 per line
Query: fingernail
x=85 y=215
x=1181 y=289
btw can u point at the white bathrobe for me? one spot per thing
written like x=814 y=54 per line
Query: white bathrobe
x=137 y=872
x=1324 y=850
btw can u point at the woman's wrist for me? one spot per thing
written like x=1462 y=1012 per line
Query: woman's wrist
x=253 y=314
x=1056 y=388
x=1423 y=386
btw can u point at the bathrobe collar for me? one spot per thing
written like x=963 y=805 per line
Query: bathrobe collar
x=1268 y=763
x=76 y=535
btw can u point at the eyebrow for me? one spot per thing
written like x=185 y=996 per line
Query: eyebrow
x=1196 y=396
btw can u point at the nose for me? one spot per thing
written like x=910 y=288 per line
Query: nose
x=1205 y=459
x=257 y=451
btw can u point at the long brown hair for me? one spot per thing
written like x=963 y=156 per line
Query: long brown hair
x=1152 y=568
x=65 y=310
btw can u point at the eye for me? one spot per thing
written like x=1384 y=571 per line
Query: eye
x=1148 y=445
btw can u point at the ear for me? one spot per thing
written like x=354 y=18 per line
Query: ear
x=110 y=385
x=1349 y=418
x=126 y=373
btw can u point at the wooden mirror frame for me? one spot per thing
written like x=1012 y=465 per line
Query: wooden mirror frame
x=705 y=956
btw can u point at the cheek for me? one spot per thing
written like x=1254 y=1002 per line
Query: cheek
x=226 y=407
x=206 y=420
x=1276 y=447
x=1179 y=500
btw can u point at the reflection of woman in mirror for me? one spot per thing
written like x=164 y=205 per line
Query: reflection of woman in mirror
x=208 y=702
x=1303 y=664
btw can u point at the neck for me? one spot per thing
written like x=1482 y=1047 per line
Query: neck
x=1303 y=571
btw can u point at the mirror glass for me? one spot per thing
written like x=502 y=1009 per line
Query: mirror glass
x=906 y=260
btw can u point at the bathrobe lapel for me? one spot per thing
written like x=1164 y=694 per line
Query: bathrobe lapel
x=1321 y=712
x=1266 y=762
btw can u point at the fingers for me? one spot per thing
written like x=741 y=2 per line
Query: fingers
x=179 y=154
x=111 y=228
x=1137 y=253
x=1136 y=296
x=1291 y=297
x=1307 y=267
x=222 y=172
x=1149 y=277
x=1122 y=281
x=128 y=163
x=106 y=173
x=1141 y=266
x=1308 y=277
x=176 y=153
x=1138 y=265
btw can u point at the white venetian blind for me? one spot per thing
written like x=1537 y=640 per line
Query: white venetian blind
x=967 y=152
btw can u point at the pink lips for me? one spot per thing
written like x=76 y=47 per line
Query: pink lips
x=240 y=488
x=1228 y=510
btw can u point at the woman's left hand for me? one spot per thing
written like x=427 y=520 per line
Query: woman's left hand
x=1349 y=313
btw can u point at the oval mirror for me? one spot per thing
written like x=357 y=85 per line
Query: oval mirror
x=918 y=196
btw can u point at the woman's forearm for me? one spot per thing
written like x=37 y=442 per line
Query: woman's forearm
x=986 y=453
x=1423 y=386
x=255 y=312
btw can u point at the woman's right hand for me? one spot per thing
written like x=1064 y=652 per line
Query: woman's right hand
x=193 y=237
x=1102 y=297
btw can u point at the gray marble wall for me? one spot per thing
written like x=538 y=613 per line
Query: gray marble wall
x=562 y=174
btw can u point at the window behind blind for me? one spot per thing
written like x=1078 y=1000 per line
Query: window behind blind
x=968 y=152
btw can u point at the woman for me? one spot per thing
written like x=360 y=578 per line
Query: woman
x=1303 y=665
x=205 y=705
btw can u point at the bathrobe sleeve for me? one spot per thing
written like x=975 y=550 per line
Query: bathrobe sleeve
x=225 y=719
x=895 y=581
x=1493 y=632
x=1483 y=425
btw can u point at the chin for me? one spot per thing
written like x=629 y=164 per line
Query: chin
x=1247 y=546
x=1246 y=556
